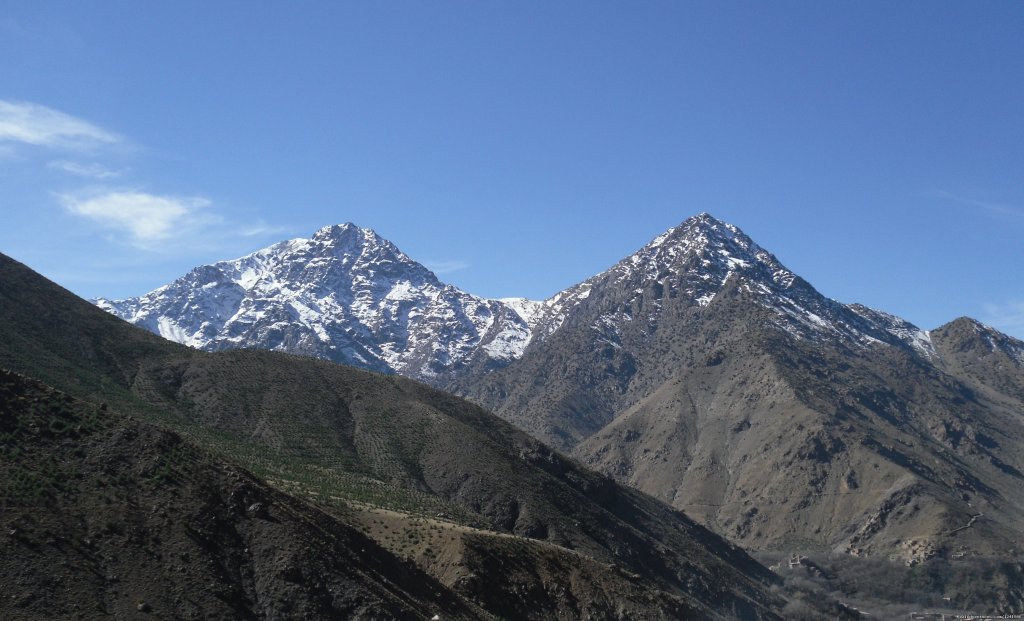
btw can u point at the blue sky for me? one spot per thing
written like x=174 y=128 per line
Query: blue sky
x=877 y=148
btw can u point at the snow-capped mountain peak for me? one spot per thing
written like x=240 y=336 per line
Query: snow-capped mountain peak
x=349 y=240
x=691 y=264
x=345 y=294
x=708 y=247
x=692 y=260
x=349 y=295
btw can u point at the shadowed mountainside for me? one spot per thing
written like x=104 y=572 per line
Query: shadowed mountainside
x=107 y=517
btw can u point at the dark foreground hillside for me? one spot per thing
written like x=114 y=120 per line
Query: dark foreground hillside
x=108 y=517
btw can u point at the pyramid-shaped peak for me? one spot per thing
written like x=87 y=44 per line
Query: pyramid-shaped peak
x=361 y=249
x=704 y=218
x=972 y=325
x=351 y=237
x=338 y=231
x=704 y=252
x=701 y=231
x=708 y=224
x=967 y=325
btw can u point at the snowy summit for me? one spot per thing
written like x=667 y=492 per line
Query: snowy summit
x=348 y=295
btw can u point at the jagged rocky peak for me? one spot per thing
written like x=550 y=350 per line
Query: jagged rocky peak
x=356 y=247
x=340 y=231
x=701 y=253
x=341 y=240
x=702 y=234
x=706 y=252
x=345 y=294
x=691 y=263
x=349 y=239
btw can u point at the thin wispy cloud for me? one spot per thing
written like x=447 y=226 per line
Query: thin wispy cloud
x=260 y=229
x=164 y=224
x=91 y=170
x=446 y=267
x=1007 y=317
x=993 y=208
x=146 y=218
x=36 y=125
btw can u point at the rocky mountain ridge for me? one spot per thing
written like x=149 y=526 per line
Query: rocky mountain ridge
x=345 y=294
x=350 y=296
x=696 y=259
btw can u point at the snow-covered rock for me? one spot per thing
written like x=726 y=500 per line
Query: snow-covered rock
x=350 y=296
x=693 y=262
x=345 y=294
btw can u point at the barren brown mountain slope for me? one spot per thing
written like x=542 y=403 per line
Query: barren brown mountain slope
x=703 y=372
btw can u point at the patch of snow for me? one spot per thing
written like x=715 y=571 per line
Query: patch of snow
x=508 y=344
x=919 y=340
x=168 y=329
x=404 y=291
x=735 y=263
x=529 y=310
